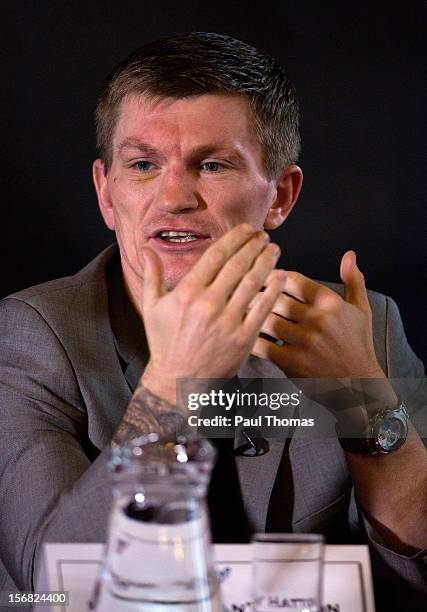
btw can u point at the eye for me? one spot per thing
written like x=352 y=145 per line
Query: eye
x=212 y=166
x=143 y=165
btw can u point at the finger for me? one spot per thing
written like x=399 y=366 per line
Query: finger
x=269 y=278
x=267 y=281
x=283 y=356
x=263 y=305
x=251 y=284
x=302 y=288
x=282 y=329
x=238 y=266
x=153 y=282
x=289 y=308
x=268 y=350
x=354 y=282
x=216 y=256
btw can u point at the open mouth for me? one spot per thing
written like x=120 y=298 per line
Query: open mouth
x=171 y=236
x=178 y=239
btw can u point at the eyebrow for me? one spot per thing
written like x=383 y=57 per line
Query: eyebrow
x=135 y=143
x=196 y=152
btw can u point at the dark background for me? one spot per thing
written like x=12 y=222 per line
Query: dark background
x=360 y=75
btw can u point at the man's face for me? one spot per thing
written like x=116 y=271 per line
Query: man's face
x=190 y=165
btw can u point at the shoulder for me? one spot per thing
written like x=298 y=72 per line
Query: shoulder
x=60 y=290
x=69 y=310
x=51 y=336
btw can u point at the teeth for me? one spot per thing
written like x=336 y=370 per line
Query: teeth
x=174 y=234
x=181 y=239
x=178 y=236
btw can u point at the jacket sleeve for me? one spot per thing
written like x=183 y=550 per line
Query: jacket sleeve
x=50 y=487
x=398 y=576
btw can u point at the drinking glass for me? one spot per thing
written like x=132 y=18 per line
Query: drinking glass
x=287 y=572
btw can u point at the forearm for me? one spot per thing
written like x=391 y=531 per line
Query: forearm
x=148 y=413
x=392 y=490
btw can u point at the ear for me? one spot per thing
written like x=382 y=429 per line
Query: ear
x=102 y=191
x=288 y=186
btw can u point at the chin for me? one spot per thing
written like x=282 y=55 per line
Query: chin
x=172 y=279
x=174 y=271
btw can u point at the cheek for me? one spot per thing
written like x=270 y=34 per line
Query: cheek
x=130 y=206
x=130 y=209
x=246 y=203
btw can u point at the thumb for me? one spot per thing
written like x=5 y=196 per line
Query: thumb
x=153 y=282
x=354 y=282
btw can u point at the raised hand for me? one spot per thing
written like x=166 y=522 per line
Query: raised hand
x=202 y=328
x=323 y=334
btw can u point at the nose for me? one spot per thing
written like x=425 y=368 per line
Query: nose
x=177 y=192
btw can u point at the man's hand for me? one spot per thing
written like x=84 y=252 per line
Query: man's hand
x=323 y=334
x=202 y=328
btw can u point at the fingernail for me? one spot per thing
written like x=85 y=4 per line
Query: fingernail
x=275 y=249
x=264 y=236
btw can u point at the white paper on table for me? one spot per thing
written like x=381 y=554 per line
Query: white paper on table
x=347 y=581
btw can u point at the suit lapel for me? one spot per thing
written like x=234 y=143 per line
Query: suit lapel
x=134 y=370
x=129 y=335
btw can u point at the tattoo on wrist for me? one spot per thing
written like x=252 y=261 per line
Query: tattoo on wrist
x=147 y=413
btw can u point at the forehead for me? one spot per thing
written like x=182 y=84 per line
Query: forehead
x=195 y=120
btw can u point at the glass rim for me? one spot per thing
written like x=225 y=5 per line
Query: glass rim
x=288 y=538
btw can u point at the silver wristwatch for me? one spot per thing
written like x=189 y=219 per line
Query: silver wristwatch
x=386 y=432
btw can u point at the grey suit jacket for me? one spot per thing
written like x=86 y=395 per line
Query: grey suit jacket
x=68 y=365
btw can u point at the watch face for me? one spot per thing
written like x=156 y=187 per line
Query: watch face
x=391 y=433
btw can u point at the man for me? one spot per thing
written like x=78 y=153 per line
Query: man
x=198 y=141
